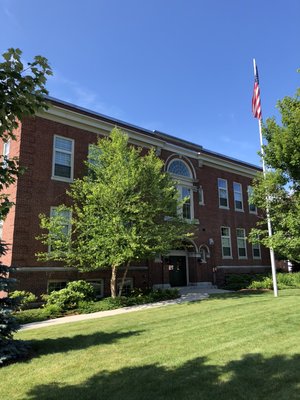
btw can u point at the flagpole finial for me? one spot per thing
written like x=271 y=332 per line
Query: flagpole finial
x=254 y=66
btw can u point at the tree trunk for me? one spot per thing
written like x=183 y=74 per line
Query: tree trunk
x=123 y=278
x=113 y=281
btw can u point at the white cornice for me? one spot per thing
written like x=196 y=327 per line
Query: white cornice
x=98 y=126
x=227 y=165
x=91 y=124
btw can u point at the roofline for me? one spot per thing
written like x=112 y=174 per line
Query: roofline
x=153 y=133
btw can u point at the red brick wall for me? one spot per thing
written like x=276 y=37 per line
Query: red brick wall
x=37 y=192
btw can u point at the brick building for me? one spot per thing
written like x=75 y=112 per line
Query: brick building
x=53 y=145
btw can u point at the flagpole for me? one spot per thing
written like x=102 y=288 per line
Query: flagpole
x=272 y=255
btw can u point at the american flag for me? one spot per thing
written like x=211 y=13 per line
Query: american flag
x=256 y=106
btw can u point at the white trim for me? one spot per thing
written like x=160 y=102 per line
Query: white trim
x=57 y=177
x=249 y=190
x=97 y=280
x=227 y=165
x=56 y=281
x=227 y=195
x=255 y=257
x=92 y=124
x=44 y=269
x=240 y=193
x=245 y=243
x=230 y=244
x=191 y=196
x=52 y=209
x=201 y=196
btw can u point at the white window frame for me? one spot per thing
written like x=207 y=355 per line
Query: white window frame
x=237 y=193
x=191 y=192
x=249 y=191
x=127 y=280
x=57 y=177
x=257 y=245
x=241 y=238
x=52 y=209
x=221 y=188
x=100 y=282
x=201 y=195
x=56 y=281
x=184 y=182
x=229 y=239
x=6 y=151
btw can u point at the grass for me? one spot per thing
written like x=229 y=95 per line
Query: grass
x=236 y=346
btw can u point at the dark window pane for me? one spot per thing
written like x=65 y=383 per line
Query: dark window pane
x=62 y=170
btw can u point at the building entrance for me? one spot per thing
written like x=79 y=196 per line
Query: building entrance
x=177 y=271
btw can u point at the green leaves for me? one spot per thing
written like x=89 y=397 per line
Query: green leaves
x=118 y=209
x=279 y=190
x=22 y=91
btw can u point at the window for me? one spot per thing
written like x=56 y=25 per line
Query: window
x=178 y=167
x=65 y=222
x=56 y=285
x=241 y=242
x=127 y=287
x=6 y=150
x=223 y=193
x=256 y=250
x=63 y=159
x=201 y=195
x=252 y=207
x=98 y=285
x=181 y=169
x=66 y=218
x=1 y=229
x=226 y=242
x=186 y=193
x=93 y=154
x=238 y=196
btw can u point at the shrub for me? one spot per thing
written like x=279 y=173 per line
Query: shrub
x=69 y=297
x=23 y=298
x=82 y=287
x=266 y=283
x=54 y=310
x=284 y=281
x=241 y=281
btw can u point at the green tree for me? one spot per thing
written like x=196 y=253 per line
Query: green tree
x=22 y=93
x=124 y=210
x=279 y=190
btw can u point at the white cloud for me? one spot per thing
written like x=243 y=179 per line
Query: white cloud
x=72 y=92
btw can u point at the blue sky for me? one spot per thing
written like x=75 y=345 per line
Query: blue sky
x=181 y=67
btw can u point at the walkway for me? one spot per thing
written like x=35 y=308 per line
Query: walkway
x=188 y=294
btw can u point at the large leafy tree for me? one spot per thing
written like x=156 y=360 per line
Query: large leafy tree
x=124 y=210
x=279 y=190
x=22 y=93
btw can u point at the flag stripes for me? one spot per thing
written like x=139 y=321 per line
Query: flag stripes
x=256 y=106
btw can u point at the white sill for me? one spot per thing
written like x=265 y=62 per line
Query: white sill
x=227 y=257
x=224 y=208
x=243 y=258
x=238 y=210
x=61 y=179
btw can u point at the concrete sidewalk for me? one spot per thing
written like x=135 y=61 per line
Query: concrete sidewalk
x=188 y=294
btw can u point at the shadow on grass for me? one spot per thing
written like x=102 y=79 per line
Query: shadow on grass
x=78 y=342
x=253 y=378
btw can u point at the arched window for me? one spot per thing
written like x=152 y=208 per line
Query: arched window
x=178 y=167
x=184 y=185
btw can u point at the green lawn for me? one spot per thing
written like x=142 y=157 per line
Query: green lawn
x=227 y=347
